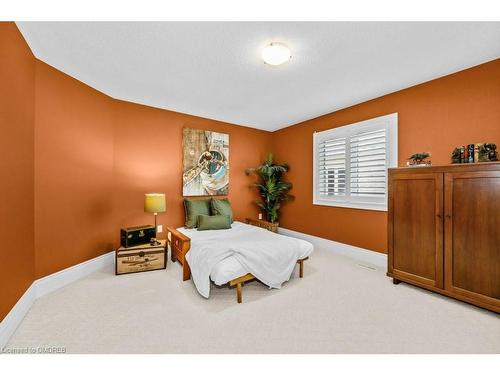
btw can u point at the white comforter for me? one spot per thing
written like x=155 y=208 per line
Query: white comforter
x=270 y=257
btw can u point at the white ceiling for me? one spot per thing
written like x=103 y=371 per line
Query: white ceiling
x=214 y=69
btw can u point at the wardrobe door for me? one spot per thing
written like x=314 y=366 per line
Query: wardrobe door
x=472 y=240
x=416 y=228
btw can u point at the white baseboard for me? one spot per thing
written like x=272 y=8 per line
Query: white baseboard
x=16 y=315
x=367 y=257
x=69 y=275
x=47 y=284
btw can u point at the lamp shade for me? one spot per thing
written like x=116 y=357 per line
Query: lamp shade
x=154 y=203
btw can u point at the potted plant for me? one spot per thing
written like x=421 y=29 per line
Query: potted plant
x=418 y=160
x=272 y=189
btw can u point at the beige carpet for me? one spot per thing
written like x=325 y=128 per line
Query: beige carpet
x=338 y=307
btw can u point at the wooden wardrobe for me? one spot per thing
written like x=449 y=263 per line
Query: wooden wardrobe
x=444 y=230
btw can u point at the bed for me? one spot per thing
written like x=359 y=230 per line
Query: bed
x=234 y=256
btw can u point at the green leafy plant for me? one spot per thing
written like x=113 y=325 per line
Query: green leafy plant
x=272 y=189
x=419 y=157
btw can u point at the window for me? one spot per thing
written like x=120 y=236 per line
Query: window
x=350 y=163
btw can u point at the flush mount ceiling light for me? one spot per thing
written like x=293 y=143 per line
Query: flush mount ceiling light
x=276 y=54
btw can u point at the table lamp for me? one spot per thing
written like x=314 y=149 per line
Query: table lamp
x=154 y=203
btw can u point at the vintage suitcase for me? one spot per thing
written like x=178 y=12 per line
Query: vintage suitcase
x=136 y=235
x=141 y=258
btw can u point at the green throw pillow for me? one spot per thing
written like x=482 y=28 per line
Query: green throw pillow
x=194 y=208
x=206 y=222
x=222 y=207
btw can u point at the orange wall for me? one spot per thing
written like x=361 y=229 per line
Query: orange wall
x=148 y=158
x=73 y=171
x=17 y=80
x=436 y=116
x=95 y=157
x=76 y=164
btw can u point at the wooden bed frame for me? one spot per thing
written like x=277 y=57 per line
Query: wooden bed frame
x=180 y=245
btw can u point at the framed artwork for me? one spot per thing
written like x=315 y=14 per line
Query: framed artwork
x=205 y=163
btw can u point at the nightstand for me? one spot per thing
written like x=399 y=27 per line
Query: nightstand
x=141 y=258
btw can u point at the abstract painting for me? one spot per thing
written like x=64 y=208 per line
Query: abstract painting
x=205 y=163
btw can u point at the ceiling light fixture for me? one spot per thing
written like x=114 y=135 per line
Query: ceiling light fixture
x=276 y=54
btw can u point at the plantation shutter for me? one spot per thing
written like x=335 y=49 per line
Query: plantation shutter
x=350 y=163
x=332 y=167
x=368 y=163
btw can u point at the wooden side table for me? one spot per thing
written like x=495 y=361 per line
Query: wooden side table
x=141 y=258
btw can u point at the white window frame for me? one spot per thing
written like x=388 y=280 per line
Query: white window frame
x=388 y=122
